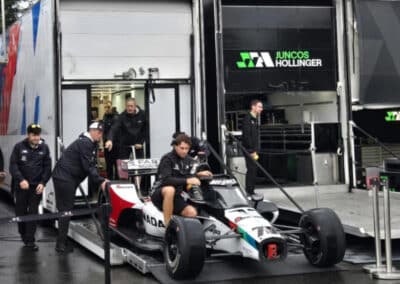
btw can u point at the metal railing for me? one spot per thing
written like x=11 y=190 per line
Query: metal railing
x=378 y=270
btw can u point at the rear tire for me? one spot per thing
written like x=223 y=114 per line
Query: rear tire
x=184 y=250
x=324 y=238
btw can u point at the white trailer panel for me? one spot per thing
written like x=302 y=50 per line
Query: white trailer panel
x=104 y=39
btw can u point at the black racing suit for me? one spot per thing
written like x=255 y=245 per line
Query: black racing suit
x=33 y=164
x=78 y=161
x=250 y=141
x=173 y=171
x=131 y=129
x=110 y=156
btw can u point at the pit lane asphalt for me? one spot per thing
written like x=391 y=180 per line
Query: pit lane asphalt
x=17 y=265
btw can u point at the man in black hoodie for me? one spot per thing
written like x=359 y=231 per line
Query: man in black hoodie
x=131 y=128
x=30 y=168
x=78 y=161
x=251 y=142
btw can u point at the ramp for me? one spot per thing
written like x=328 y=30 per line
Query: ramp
x=354 y=209
x=235 y=268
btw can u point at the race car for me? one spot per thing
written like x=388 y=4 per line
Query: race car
x=228 y=222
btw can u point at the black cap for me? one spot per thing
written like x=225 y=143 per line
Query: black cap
x=34 y=128
x=97 y=126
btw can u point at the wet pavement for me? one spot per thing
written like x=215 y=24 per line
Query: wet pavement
x=18 y=265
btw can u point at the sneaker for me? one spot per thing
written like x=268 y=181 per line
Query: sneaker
x=31 y=246
x=64 y=247
x=196 y=194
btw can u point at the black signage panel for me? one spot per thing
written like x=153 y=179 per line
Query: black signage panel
x=378 y=23
x=270 y=49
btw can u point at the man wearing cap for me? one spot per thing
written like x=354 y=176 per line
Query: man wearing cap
x=77 y=162
x=30 y=168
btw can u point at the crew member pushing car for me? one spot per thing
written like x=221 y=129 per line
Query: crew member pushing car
x=78 y=161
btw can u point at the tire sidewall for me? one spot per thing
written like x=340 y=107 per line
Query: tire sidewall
x=330 y=233
x=191 y=246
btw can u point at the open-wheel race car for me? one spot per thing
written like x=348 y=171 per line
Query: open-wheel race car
x=227 y=223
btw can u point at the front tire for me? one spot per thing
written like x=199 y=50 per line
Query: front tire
x=324 y=238
x=184 y=250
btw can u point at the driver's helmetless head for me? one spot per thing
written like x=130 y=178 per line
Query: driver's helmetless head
x=130 y=105
x=256 y=107
x=182 y=144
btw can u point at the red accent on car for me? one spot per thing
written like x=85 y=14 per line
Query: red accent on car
x=232 y=225
x=272 y=251
x=118 y=204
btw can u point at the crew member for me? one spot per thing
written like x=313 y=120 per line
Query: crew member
x=109 y=119
x=198 y=148
x=174 y=176
x=77 y=162
x=30 y=168
x=250 y=141
x=2 y=172
x=131 y=128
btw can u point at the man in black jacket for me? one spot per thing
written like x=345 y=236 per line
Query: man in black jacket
x=30 y=168
x=131 y=128
x=250 y=141
x=109 y=119
x=78 y=161
x=175 y=175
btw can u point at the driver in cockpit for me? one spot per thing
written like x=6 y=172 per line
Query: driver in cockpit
x=175 y=174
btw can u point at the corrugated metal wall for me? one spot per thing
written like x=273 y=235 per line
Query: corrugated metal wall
x=374 y=155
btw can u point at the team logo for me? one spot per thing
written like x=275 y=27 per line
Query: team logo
x=277 y=59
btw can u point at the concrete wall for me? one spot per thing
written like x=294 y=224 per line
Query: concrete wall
x=306 y=106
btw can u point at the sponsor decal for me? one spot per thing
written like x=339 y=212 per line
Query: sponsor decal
x=124 y=186
x=153 y=221
x=277 y=59
x=7 y=74
x=35 y=22
x=392 y=116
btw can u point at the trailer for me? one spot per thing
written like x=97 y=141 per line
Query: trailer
x=67 y=59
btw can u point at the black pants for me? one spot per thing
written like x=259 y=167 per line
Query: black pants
x=65 y=196
x=27 y=203
x=251 y=175
x=111 y=163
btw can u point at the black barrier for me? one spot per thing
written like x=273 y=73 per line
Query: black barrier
x=48 y=216
x=104 y=212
